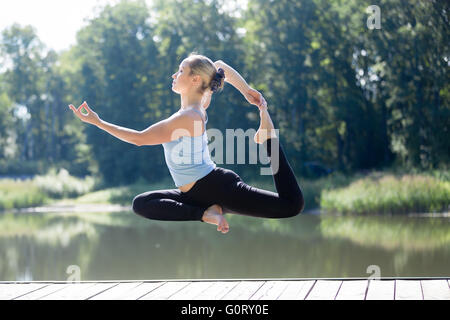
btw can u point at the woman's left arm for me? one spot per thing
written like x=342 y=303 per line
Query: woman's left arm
x=232 y=76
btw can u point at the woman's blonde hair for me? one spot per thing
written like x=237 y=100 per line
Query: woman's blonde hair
x=212 y=78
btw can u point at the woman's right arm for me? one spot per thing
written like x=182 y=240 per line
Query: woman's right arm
x=234 y=78
x=161 y=132
x=122 y=133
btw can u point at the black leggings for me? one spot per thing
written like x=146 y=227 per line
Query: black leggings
x=225 y=188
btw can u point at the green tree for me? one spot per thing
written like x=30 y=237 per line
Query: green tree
x=24 y=52
x=118 y=71
x=411 y=55
x=6 y=124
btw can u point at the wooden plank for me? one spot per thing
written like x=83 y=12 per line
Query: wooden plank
x=141 y=290
x=53 y=289
x=353 y=290
x=435 y=290
x=324 y=290
x=271 y=290
x=42 y=292
x=244 y=290
x=296 y=290
x=193 y=289
x=95 y=289
x=381 y=290
x=217 y=291
x=73 y=291
x=10 y=291
x=165 y=291
x=117 y=292
x=408 y=290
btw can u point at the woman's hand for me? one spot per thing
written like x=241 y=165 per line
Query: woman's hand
x=255 y=97
x=91 y=117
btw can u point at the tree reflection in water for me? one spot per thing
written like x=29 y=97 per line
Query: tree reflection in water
x=123 y=246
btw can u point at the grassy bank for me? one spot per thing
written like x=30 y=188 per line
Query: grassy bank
x=42 y=190
x=377 y=192
x=20 y=194
x=62 y=188
x=381 y=193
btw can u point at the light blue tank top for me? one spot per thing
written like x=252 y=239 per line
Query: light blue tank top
x=188 y=158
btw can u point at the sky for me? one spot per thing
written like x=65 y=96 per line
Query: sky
x=56 y=21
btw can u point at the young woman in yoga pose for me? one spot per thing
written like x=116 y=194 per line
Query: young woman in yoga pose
x=205 y=192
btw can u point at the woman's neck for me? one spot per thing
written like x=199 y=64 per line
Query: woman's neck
x=193 y=101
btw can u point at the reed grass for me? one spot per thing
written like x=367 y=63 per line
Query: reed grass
x=41 y=190
x=20 y=194
x=58 y=185
x=380 y=193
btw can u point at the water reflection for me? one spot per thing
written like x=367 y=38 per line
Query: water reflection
x=124 y=246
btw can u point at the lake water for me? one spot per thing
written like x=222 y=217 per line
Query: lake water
x=124 y=246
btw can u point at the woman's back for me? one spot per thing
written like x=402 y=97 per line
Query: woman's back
x=188 y=157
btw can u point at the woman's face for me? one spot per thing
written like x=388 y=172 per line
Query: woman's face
x=182 y=81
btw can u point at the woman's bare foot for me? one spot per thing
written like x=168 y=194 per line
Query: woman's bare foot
x=214 y=215
x=266 y=129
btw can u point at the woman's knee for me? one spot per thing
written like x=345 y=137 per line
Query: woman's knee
x=142 y=207
x=296 y=206
x=141 y=200
x=137 y=204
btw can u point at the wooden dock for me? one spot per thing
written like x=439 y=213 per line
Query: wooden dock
x=254 y=289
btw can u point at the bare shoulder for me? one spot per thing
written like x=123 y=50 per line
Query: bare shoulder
x=193 y=114
x=189 y=120
x=179 y=124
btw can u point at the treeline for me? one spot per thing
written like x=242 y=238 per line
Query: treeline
x=342 y=94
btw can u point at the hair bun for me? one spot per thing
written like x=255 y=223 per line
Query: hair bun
x=217 y=81
x=221 y=73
